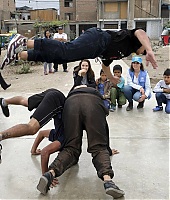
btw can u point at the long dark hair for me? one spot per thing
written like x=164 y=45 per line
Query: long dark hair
x=90 y=72
x=141 y=67
x=46 y=32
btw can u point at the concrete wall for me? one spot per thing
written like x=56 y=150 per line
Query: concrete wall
x=154 y=29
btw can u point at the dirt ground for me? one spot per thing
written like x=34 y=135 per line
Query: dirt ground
x=37 y=81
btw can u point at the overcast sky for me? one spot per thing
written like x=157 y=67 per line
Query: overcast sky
x=38 y=4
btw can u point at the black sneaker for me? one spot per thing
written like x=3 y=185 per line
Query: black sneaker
x=45 y=182
x=0 y=153
x=5 y=109
x=65 y=70
x=113 y=190
x=140 y=105
x=129 y=107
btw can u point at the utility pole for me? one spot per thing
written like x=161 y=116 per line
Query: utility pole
x=131 y=13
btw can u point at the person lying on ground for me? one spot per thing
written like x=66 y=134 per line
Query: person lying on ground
x=108 y=45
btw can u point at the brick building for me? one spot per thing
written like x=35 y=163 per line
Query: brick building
x=6 y=7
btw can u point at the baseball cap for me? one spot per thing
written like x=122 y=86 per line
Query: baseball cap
x=60 y=28
x=137 y=59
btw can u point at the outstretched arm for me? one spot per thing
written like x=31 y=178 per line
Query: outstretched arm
x=144 y=40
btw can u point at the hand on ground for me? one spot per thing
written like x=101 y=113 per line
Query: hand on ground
x=37 y=152
x=114 y=151
x=54 y=183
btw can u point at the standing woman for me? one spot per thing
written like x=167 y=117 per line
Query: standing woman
x=84 y=75
x=138 y=86
x=47 y=35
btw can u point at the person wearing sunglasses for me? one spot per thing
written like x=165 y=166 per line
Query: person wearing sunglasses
x=138 y=86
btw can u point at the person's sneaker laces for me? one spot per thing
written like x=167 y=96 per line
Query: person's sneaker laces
x=16 y=45
x=113 y=190
x=45 y=182
x=158 y=108
x=5 y=109
x=0 y=153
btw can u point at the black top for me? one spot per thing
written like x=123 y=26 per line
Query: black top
x=77 y=80
x=122 y=44
x=89 y=90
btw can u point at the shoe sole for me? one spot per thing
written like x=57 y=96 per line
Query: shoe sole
x=114 y=193
x=16 y=40
x=42 y=185
x=7 y=56
x=157 y=110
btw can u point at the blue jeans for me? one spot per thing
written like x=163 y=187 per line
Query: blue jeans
x=161 y=98
x=131 y=93
x=89 y=45
x=49 y=65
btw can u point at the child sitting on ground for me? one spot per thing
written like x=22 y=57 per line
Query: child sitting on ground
x=103 y=86
x=162 y=92
x=116 y=92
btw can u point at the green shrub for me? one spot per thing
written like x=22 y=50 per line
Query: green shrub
x=25 y=69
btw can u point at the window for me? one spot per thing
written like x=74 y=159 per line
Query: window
x=111 y=26
x=68 y=16
x=141 y=24
x=68 y=3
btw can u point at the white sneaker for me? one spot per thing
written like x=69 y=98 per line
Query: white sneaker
x=16 y=45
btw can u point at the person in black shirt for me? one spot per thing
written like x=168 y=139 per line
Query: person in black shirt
x=84 y=75
x=108 y=45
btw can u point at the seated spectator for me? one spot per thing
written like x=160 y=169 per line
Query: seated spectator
x=116 y=93
x=162 y=93
x=138 y=86
x=103 y=86
x=84 y=75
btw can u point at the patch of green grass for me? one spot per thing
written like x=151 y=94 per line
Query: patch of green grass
x=25 y=69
